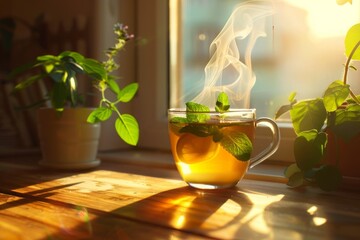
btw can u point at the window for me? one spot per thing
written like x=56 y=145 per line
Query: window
x=303 y=52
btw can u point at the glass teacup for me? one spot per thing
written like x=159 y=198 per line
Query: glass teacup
x=213 y=150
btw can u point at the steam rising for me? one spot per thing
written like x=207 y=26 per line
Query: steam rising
x=225 y=70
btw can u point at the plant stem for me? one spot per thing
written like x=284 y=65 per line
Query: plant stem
x=349 y=60
x=347 y=69
x=354 y=97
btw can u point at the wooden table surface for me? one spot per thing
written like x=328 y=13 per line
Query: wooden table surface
x=124 y=201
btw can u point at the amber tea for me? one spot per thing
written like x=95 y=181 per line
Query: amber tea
x=214 y=150
x=201 y=160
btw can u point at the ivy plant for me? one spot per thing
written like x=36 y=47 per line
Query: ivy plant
x=61 y=72
x=337 y=110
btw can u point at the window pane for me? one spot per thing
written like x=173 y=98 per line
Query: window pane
x=302 y=52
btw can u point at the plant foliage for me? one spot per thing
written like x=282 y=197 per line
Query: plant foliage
x=63 y=70
x=338 y=110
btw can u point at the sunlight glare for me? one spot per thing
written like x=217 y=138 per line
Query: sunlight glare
x=255 y=217
x=182 y=204
x=72 y=83
x=185 y=168
x=318 y=221
x=312 y=210
x=327 y=19
x=179 y=221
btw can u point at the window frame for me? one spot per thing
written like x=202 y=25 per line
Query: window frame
x=151 y=104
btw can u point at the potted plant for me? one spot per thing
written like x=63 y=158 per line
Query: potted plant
x=61 y=74
x=328 y=131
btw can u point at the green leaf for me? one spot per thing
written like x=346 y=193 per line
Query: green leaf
x=177 y=123
x=291 y=170
x=222 y=103
x=74 y=55
x=347 y=122
x=291 y=97
x=128 y=129
x=307 y=115
x=309 y=149
x=48 y=58
x=99 y=114
x=73 y=66
x=94 y=68
x=178 y=120
x=57 y=74
x=296 y=180
x=353 y=67
x=113 y=85
x=197 y=113
x=335 y=95
x=282 y=110
x=351 y=39
x=238 y=144
x=196 y=107
x=27 y=82
x=285 y=108
x=328 y=178
x=50 y=67
x=128 y=92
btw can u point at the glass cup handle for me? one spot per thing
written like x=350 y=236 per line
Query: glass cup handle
x=271 y=149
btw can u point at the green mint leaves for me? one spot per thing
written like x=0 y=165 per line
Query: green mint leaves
x=222 y=103
x=197 y=119
x=238 y=144
x=126 y=125
x=197 y=113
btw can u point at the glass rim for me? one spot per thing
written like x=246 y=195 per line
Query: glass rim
x=231 y=110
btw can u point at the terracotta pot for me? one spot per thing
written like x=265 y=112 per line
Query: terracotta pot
x=67 y=141
x=345 y=155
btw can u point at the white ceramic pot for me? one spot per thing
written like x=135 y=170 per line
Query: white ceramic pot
x=67 y=141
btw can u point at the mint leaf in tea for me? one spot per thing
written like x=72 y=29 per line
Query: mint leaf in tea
x=198 y=132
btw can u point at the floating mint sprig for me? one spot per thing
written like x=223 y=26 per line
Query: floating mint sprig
x=236 y=143
x=222 y=103
x=193 y=110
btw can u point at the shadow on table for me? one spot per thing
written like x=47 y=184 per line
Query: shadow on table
x=179 y=214
x=200 y=212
